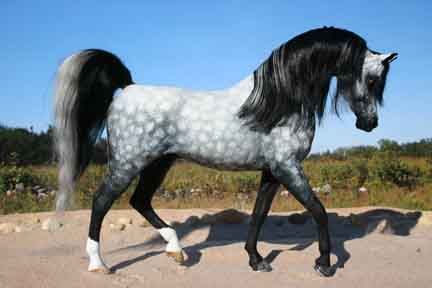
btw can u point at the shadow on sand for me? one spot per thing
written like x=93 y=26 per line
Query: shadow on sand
x=231 y=226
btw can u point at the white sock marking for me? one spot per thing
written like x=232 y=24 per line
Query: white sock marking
x=93 y=251
x=170 y=236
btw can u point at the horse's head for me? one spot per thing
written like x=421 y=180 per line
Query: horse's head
x=364 y=91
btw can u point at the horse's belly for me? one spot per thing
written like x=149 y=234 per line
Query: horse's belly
x=226 y=150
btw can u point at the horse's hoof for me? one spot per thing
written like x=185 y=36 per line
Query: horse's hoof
x=103 y=270
x=176 y=256
x=324 y=271
x=262 y=266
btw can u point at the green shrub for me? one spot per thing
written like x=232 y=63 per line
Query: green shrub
x=389 y=168
x=11 y=175
x=337 y=175
x=361 y=172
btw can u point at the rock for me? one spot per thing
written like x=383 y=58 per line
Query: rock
x=19 y=187
x=384 y=227
x=144 y=223
x=208 y=219
x=193 y=221
x=168 y=195
x=117 y=227
x=195 y=191
x=230 y=216
x=285 y=193
x=41 y=190
x=316 y=190
x=218 y=194
x=180 y=193
x=124 y=220
x=425 y=219
x=362 y=190
x=356 y=220
x=33 y=220
x=326 y=189
x=7 y=228
x=51 y=224
x=298 y=219
x=41 y=196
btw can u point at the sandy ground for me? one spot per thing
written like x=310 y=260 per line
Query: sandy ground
x=377 y=247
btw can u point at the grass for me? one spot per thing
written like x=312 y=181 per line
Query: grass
x=390 y=180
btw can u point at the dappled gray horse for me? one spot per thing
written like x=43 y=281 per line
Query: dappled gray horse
x=265 y=122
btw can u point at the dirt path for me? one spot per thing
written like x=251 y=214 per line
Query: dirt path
x=380 y=248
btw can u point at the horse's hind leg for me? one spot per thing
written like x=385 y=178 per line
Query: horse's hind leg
x=110 y=189
x=151 y=178
x=291 y=175
x=268 y=188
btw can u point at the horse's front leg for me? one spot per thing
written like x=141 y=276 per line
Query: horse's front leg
x=268 y=188
x=291 y=175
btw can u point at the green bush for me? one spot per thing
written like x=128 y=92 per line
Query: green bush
x=389 y=168
x=11 y=175
x=361 y=171
x=337 y=175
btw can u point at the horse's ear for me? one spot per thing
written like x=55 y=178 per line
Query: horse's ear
x=388 y=58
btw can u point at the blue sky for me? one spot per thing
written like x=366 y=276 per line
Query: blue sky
x=212 y=45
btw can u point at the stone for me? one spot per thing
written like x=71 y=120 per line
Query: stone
x=326 y=189
x=144 y=223
x=117 y=227
x=230 y=216
x=180 y=193
x=384 y=227
x=356 y=220
x=363 y=190
x=33 y=220
x=19 y=187
x=298 y=219
x=218 y=194
x=193 y=221
x=284 y=193
x=7 y=228
x=124 y=220
x=425 y=219
x=41 y=196
x=41 y=190
x=51 y=224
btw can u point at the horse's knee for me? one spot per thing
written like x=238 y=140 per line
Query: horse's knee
x=103 y=198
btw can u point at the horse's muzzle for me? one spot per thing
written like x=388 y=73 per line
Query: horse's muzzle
x=367 y=125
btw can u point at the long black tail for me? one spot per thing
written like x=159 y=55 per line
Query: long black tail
x=86 y=83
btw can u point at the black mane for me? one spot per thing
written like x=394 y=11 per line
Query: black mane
x=295 y=79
